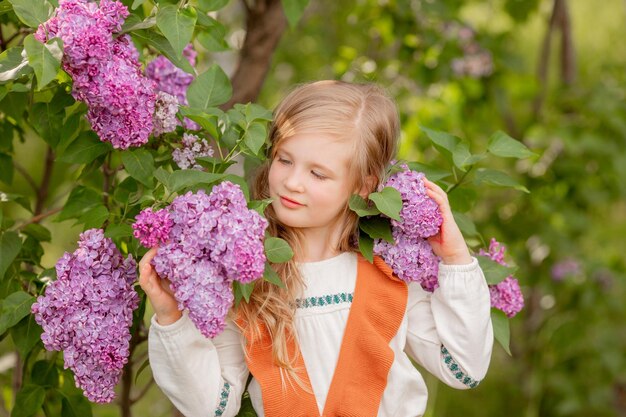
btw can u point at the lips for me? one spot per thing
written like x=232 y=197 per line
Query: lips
x=290 y=201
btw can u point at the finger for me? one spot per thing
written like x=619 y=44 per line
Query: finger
x=147 y=258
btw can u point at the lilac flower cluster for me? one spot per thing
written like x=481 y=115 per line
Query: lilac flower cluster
x=173 y=80
x=193 y=147
x=506 y=295
x=152 y=227
x=411 y=257
x=476 y=61
x=165 y=109
x=214 y=240
x=566 y=268
x=87 y=313
x=106 y=70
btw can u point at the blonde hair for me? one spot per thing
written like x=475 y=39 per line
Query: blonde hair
x=362 y=113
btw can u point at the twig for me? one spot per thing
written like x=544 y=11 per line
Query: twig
x=19 y=168
x=143 y=392
x=40 y=217
x=42 y=192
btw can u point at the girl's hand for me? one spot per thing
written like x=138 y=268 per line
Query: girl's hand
x=448 y=244
x=158 y=291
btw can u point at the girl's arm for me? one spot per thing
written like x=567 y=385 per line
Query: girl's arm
x=200 y=376
x=449 y=331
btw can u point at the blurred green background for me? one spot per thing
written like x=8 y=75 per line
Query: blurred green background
x=471 y=68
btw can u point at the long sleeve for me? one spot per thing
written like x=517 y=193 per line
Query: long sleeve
x=202 y=377
x=449 y=331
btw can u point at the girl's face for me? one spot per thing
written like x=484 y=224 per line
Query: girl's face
x=309 y=181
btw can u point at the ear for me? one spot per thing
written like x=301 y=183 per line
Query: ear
x=369 y=186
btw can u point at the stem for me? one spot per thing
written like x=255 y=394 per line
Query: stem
x=143 y=392
x=42 y=192
x=40 y=217
x=459 y=182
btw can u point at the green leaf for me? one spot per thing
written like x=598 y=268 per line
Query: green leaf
x=116 y=231
x=177 y=25
x=163 y=177
x=143 y=366
x=134 y=22
x=501 y=144
x=209 y=89
x=211 y=5
x=498 y=178
x=501 y=329
x=260 y=205
x=255 y=136
x=81 y=200
x=10 y=245
x=443 y=142
x=242 y=291
x=94 y=217
x=212 y=34
x=139 y=163
x=361 y=207
x=5 y=7
x=366 y=247
x=26 y=334
x=208 y=119
x=45 y=373
x=32 y=12
x=253 y=111
x=14 y=308
x=432 y=173
x=462 y=157
x=388 y=201
x=6 y=168
x=13 y=64
x=75 y=405
x=161 y=44
x=186 y=178
x=45 y=59
x=277 y=250
x=137 y=3
x=462 y=199
x=294 y=10
x=271 y=276
x=494 y=272
x=466 y=225
x=28 y=401
x=38 y=232
x=377 y=228
x=85 y=149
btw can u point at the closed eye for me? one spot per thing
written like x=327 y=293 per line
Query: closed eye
x=318 y=175
x=284 y=161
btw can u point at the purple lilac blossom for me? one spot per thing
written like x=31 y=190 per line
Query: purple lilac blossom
x=165 y=109
x=420 y=216
x=506 y=295
x=565 y=268
x=106 y=72
x=214 y=240
x=193 y=147
x=87 y=312
x=173 y=80
x=411 y=259
x=152 y=227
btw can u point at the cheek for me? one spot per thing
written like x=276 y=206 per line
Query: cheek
x=273 y=176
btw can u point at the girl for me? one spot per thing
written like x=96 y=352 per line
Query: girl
x=336 y=340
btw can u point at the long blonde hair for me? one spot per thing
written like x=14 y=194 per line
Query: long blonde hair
x=362 y=113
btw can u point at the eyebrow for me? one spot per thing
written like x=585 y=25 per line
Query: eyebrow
x=315 y=165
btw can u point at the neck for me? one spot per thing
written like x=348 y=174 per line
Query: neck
x=319 y=244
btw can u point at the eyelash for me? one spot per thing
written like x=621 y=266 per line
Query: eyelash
x=315 y=174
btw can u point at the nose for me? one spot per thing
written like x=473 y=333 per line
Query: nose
x=293 y=182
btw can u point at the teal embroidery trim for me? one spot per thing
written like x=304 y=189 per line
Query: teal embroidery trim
x=456 y=369
x=223 y=399
x=324 y=300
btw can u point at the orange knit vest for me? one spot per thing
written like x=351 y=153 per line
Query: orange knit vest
x=365 y=357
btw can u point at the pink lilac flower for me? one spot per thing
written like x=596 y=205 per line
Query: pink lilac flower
x=173 y=80
x=193 y=147
x=506 y=295
x=565 y=268
x=87 y=312
x=152 y=228
x=165 y=109
x=411 y=259
x=420 y=216
x=214 y=240
x=106 y=72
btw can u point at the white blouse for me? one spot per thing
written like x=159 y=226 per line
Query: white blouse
x=448 y=332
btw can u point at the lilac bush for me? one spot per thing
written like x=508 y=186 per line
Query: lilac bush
x=506 y=295
x=192 y=148
x=87 y=312
x=214 y=239
x=165 y=109
x=106 y=72
x=152 y=227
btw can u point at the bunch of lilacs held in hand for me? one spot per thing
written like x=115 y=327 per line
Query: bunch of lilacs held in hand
x=173 y=81
x=105 y=70
x=87 y=312
x=193 y=147
x=207 y=241
x=506 y=295
x=411 y=256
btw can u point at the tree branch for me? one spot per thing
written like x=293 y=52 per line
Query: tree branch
x=42 y=192
x=568 y=55
x=41 y=216
x=265 y=24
